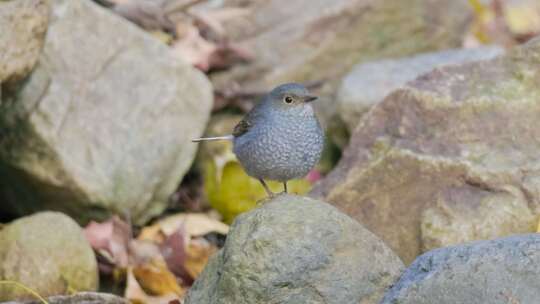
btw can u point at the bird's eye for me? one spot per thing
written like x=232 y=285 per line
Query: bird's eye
x=288 y=99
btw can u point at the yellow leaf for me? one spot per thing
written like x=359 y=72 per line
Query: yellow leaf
x=194 y=225
x=198 y=253
x=156 y=279
x=236 y=192
x=136 y=294
x=523 y=19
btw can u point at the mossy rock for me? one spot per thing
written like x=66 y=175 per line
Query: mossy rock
x=48 y=253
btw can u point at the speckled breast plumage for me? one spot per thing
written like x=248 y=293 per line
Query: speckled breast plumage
x=282 y=148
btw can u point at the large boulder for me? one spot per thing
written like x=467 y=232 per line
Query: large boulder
x=306 y=40
x=297 y=250
x=48 y=253
x=449 y=149
x=104 y=123
x=23 y=25
x=497 y=272
x=368 y=83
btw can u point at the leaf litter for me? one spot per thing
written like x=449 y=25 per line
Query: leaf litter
x=162 y=262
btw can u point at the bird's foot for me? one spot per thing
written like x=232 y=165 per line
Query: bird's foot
x=263 y=201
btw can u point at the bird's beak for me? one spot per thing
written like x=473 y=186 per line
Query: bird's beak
x=310 y=98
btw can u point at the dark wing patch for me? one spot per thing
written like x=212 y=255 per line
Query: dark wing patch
x=242 y=127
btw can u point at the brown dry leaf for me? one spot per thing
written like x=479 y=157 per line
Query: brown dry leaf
x=193 y=48
x=173 y=250
x=136 y=294
x=194 y=225
x=211 y=50
x=198 y=252
x=228 y=54
x=186 y=258
x=110 y=239
x=142 y=251
x=155 y=278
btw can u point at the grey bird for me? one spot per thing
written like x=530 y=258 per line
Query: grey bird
x=280 y=138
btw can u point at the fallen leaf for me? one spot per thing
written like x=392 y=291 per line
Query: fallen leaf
x=193 y=48
x=194 y=225
x=136 y=294
x=155 y=278
x=142 y=251
x=227 y=54
x=198 y=252
x=186 y=258
x=110 y=239
x=174 y=251
x=234 y=192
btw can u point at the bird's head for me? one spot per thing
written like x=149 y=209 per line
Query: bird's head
x=291 y=98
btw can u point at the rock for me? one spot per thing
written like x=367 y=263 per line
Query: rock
x=48 y=253
x=80 y=298
x=103 y=125
x=307 y=40
x=297 y=250
x=23 y=25
x=454 y=221
x=452 y=146
x=368 y=83
x=497 y=271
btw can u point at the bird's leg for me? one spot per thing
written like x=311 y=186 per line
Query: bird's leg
x=284 y=187
x=270 y=193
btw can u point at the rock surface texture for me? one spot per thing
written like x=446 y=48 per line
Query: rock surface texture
x=451 y=157
x=48 y=253
x=297 y=250
x=23 y=24
x=79 y=298
x=328 y=37
x=104 y=124
x=500 y=271
x=368 y=83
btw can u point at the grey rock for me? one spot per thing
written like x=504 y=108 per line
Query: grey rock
x=457 y=146
x=79 y=298
x=497 y=272
x=368 y=83
x=297 y=250
x=313 y=40
x=104 y=123
x=48 y=253
x=454 y=221
x=319 y=40
x=23 y=24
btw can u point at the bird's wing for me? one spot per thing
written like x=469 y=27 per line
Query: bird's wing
x=242 y=127
x=248 y=121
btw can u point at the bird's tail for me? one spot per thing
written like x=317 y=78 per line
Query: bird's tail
x=226 y=137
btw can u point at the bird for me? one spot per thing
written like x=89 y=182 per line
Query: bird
x=280 y=139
